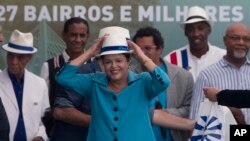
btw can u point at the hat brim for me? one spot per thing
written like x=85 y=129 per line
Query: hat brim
x=114 y=52
x=17 y=51
x=196 y=21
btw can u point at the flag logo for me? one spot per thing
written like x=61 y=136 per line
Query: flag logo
x=207 y=129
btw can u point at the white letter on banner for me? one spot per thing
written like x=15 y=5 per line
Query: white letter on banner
x=107 y=13
x=211 y=11
x=158 y=13
x=80 y=11
x=44 y=14
x=181 y=13
x=125 y=12
x=12 y=9
x=55 y=13
x=94 y=13
x=224 y=13
x=237 y=14
x=65 y=12
x=2 y=12
x=29 y=13
x=166 y=17
x=142 y=13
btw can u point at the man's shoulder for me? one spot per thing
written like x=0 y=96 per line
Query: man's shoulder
x=217 y=49
x=178 y=71
x=36 y=78
x=175 y=53
x=183 y=48
x=213 y=68
x=55 y=63
x=55 y=57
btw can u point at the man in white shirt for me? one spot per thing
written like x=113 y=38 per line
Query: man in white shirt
x=24 y=95
x=199 y=53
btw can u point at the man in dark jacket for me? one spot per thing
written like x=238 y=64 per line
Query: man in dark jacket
x=71 y=111
x=4 y=124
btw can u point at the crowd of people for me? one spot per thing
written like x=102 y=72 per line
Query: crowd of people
x=121 y=88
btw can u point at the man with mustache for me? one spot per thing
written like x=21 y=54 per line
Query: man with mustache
x=231 y=72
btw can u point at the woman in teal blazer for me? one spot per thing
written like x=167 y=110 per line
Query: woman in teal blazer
x=119 y=97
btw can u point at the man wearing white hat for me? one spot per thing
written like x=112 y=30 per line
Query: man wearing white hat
x=199 y=53
x=24 y=95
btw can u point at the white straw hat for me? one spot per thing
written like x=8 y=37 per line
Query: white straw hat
x=114 y=30
x=196 y=14
x=114 y=45
x=20 y=43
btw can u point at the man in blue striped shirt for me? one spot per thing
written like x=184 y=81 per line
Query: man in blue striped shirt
x=231 y=72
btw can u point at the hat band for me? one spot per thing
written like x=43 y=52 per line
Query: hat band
x=26 y=48
x=195 y=17
x=114 y=48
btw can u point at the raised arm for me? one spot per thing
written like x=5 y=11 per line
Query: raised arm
x=91 y=52
x=72 y=116
x=141 y=57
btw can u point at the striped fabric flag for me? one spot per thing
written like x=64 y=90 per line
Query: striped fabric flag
x=179 y=58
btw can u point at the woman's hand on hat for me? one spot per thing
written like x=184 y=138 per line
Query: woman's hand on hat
x=92 y=51
x=144 y=59
x=137 y=50
x=95 y=48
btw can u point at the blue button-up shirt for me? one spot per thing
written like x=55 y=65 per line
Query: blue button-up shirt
x=20 y=134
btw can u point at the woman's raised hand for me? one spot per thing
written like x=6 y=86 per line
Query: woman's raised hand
x=96 y=47
x=137 y=51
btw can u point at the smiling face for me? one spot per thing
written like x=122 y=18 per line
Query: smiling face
x=197 y=34
x=116 y=66
x=75 y=38
x=237 y=42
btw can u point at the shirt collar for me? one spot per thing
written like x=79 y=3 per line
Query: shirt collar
x=102 y=77
x=65 y=56
x=206 y=54
x=225 y=63
x=13 y=77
